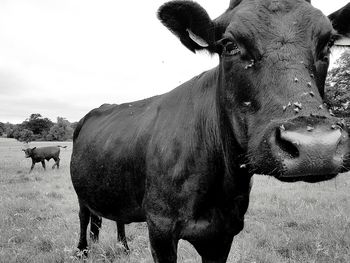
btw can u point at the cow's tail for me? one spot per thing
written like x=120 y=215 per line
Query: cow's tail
x=62 y=146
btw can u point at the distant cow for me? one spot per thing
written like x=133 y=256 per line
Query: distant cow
x=182 y=161
x=40 y=154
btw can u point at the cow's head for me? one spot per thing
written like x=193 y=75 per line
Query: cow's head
x=274 y=56
x=28 y=152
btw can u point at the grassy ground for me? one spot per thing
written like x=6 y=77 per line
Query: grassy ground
x=285 y=223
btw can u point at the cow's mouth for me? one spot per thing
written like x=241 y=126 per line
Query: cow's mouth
x=308 y=178
x=311 y=154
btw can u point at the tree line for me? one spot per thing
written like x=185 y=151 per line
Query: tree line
x=38 y=128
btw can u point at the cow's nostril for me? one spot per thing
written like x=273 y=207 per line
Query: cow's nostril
x=309 y=153
x=286 y=145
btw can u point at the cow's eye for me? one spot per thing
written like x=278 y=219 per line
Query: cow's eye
x=324 y=55
x=325 y=58
x=332 y=41
x=231 y=48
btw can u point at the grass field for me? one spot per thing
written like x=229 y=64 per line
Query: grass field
x=285 y=222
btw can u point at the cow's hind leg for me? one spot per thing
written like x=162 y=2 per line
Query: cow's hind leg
x=95 y=225
x=57 y=163
x=43 y=164
x=84 y=217
x=121 y=235
x=163 y=243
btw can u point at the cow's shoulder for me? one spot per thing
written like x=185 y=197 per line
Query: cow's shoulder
x=94 y=112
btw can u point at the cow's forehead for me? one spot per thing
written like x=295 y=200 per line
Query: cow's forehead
x=270 y=18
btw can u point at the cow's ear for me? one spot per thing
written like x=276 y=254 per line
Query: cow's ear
x=190 y=22
x=33 y=148
x=234 y=3
x=341 y=20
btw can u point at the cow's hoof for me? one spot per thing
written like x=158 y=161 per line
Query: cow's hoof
x=125 y=250
x=81 y=254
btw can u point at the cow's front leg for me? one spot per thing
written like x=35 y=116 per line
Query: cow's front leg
x=32 y=167
x=163 y=242
x=214 y=250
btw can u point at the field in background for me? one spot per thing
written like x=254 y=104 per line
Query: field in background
x=285 y=223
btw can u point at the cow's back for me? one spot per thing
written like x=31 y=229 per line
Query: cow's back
x=46 y=152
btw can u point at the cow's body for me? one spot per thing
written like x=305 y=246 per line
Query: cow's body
x=183 y=161
x=40 y=154
x=151 y=138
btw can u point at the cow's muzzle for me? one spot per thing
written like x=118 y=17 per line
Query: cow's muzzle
x=310 y=154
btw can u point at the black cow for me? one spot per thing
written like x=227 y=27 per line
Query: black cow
x=40 y=154
x=182 y=161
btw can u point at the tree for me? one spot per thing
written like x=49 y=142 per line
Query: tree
x=38 y=128
x=35 y=116
x=37 y=124
x=338 y=86
x=74 y=125
x=2 y=128
x=15 y=132
x=60 y=131
x=9 y=129
x=25 y=136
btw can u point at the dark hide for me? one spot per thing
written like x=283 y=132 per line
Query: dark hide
x=340 y=20
x=183 y=161
x=40 y=154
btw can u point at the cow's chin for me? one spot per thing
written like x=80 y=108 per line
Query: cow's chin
x=282 y=174
x=306 y=178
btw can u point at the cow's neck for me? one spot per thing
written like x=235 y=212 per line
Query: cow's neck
x=227 y=194
x=220 y=135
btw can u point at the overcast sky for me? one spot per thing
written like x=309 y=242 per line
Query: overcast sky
x=65 y=57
